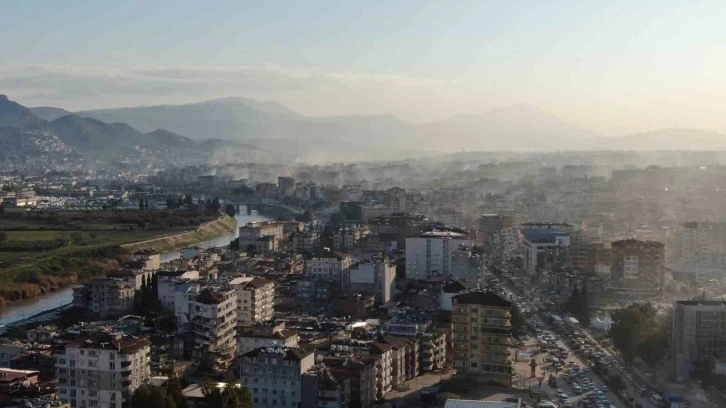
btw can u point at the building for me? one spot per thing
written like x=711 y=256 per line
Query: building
x=698 y=334
x=102 y=371
x=430 y=253
x=457 y=403
x=592 y=257
x=266 y=335
x=396 y=199
x=322 y=388
x=404 y=359
x=307 y=242
x=274 y=375
x=345 y=239
x=638 y=267
x=701 y=250
x=362 y=378
x=255 y=300
x=168 y=282
x=8 y=351
x=253 y=231
x=490 y=224
x=481 y=337
x=538 y=242
x=206 y=323
x=105 y=297
x=329 y=266
x=356 y=306
x=13 y=379
x=286 y=185
x=432 y=342
x=468 y=263
x=374 y=277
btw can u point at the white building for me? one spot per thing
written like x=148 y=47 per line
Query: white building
x=253 y=231
x=102 y=371
x=373 y=277
x=468 y=263
x=329 y=266
x=273 y=375
x=430 y=253
x=267 y=335
x=209 y=317
x=255 y=299
x=537 y=241
x=168 y=282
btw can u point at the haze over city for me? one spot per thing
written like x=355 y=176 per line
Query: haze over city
x=612 y=69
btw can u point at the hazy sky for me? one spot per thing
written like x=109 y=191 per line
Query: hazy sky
x=613 y=68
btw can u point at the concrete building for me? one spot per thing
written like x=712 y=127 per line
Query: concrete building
x=345 y=239
x=255 y=299
x=266 y=335
x=322 y=388
x=102 y=371
x=253 y=231
x=698 y=334
x=329 y=266
x=638 y=267
x=286 y=185
x=592 y=257
x=105 y=297
x=537 y=243
x=701 y=250
x=490 y=224
x=430 y=253
x=8 y=351
x=468 y=263
x=206 y=323
x=168 y=282
x=432 y=342
x=274 y=375
x=362 y=378
x=481 y=337
x=307 y=242
x=396 y=199
x=374 y=277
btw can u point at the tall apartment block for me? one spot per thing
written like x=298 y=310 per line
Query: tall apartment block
x=430 y=253
x=274 y=375
x=481 y=337
x=255 y=299
x=638 y=266
x=698 y=334
x=105 y=297
x=206 y=323
x=490 y=224
x=102 y=371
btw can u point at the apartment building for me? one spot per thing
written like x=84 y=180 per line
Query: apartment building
x=255 y=299
x=481 y=337
x=538 y=242
x=404 y=359
x=274 y=375
x=206 y=323
x=286 y=185
x=698 y=334
x=345 y=239
x=253 y=231
x=266 y=335
x=168 y=282
x=490 y=224
x=432 y=346
x=361 y=374
x=322 y=388
x=468 y=263
x=430 y=253
x=374 y=277
x=102 y=371
x=307 y=242
x=329 y=266
x=638 y=267
x=105 y=297
x=701 y=250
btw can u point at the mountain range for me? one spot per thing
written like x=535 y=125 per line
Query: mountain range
x=268 y=126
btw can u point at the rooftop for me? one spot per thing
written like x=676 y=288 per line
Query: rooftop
x=482 y=298
x=535 y=234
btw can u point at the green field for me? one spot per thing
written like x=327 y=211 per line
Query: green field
x=41 y=251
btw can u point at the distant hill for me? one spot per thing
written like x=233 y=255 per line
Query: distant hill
x=16 y=115
x=521 y=127
x=48 y=113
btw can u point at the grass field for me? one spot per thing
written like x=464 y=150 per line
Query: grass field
x=43 y=251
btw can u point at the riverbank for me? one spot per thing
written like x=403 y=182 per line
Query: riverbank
x=207 y=231
x=43 y=274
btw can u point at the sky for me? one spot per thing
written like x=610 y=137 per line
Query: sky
x=612 y=67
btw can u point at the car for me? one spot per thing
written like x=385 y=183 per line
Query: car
x=605 y=388
x=546 y=404
x=577 y=389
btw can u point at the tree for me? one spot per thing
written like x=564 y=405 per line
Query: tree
x=215 y=206
x=3 y=238
x=148 y=396
x=143 y=283
x=141 y=204
x=173 y=388
x=229 y=396
x=631 y=327
x=230 y=210
x=517 y=322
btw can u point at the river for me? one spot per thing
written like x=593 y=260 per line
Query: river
x=22 y=309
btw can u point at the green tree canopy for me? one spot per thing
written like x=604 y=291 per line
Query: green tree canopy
x=148 y=396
